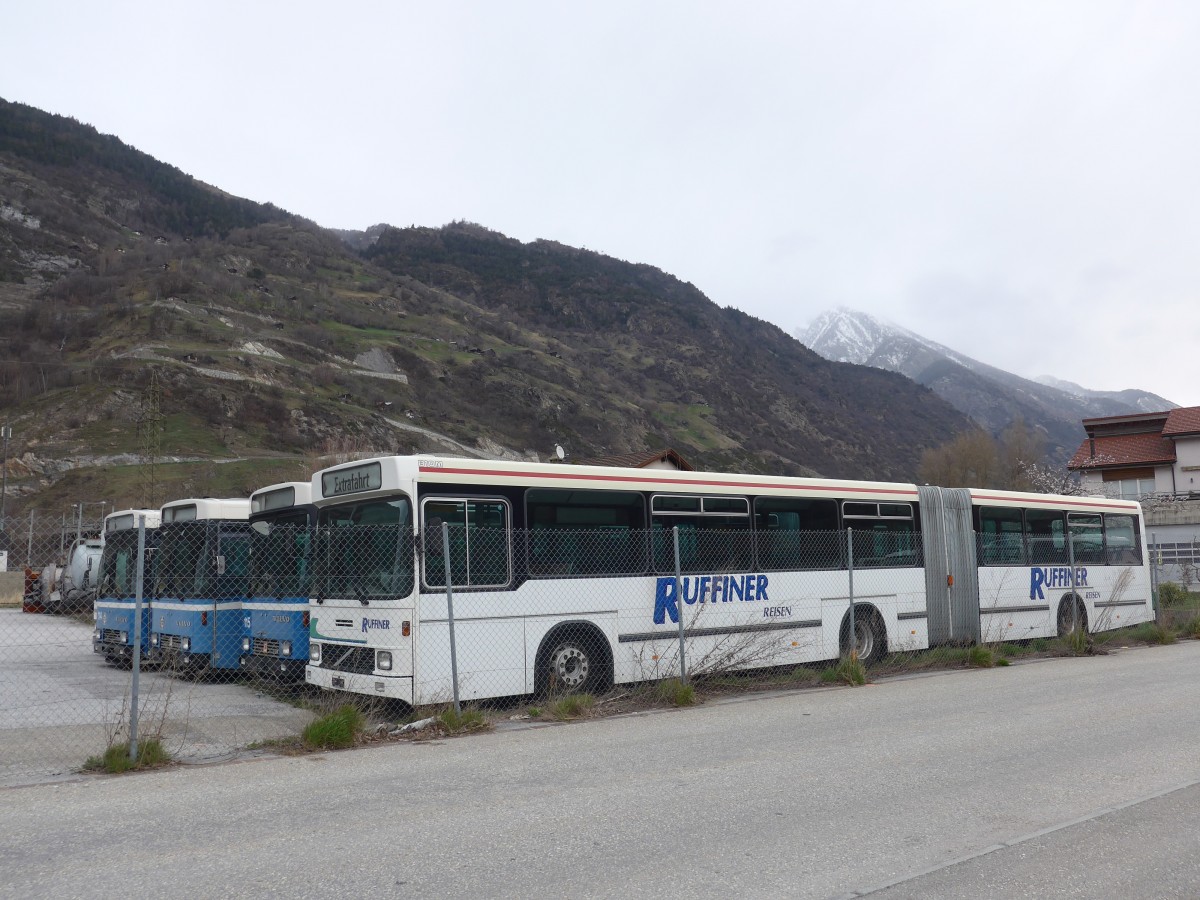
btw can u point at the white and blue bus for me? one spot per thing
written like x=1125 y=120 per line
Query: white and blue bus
x=201 y=575
x=275 y=615
x=115 y=610
x=565 y=576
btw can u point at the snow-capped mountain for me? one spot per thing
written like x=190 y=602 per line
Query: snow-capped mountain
x=992 y=397
x=1143 y=401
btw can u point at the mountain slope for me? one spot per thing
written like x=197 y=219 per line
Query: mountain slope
x=990 y=396
x=144 y=314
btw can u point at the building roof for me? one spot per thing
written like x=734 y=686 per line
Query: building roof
x=641 y=460
x=1182 y=421
x=1126 y=422
x=1122 y=450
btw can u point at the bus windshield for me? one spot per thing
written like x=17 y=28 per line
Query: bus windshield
x=365 y=550
x=280 y=555
x=118 y=565
x=202 y=559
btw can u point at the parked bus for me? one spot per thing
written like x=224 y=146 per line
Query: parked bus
x=200 y=580
x=116 y=600
x=275 y=616
x=566 y=576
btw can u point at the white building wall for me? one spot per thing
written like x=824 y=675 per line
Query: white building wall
x=1187 y=464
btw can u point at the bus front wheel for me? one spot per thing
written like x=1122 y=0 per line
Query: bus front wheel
x=574 y=661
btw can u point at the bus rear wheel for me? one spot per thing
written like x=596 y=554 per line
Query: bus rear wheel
x=1068 y=620
x=870 y=639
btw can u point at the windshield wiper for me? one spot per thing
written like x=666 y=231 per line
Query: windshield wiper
x=361 y=594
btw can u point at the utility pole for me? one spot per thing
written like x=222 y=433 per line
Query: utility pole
x=149 y=426
x=6 y=431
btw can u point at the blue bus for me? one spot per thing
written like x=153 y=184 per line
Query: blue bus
x=275 y=615
x=115 y=608
x=201 y=576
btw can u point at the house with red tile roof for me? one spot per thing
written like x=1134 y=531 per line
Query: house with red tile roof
x=1155 y=458
x=647 y=459
x=1141 y=455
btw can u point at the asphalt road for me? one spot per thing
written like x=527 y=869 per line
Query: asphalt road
x=1050 y=778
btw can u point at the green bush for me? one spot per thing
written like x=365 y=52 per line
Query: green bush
x=1172 y=594
x=1153 y=633
x=850 y=671
x=116 y=758
x=469 y=719
x=675 y=692
x=335 y=731
x=573 y=706
x=981 y=656
x=1076 y=642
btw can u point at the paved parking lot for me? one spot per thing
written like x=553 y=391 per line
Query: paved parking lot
x=60 y=702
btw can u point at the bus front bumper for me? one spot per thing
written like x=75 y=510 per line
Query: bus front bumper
x=394 y=687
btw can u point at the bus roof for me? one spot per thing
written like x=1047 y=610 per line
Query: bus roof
x=284 y=495
x=386 y=474
x=205 y=508
x=985 y=497
x=391 y=473
x=126 y=519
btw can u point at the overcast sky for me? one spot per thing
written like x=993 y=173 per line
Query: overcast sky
x=1018 y=181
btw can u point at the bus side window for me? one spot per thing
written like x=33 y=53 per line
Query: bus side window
x=479 y=542
x=797 y=534
x=585 y=532
x=1123 y=546
x=1001 y=539
x=714 y=533
x=1087 y=538
x=885 y=534
x=1045 y=535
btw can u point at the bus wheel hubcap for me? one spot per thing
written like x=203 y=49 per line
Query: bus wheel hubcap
x=865 y=642
x=569 y=666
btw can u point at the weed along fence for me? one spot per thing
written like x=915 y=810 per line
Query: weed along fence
x=219 y=625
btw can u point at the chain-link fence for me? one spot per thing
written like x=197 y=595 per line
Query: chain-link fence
x=220 y=634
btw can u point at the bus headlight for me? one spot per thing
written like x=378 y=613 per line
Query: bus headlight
x=185 y=644
x=383 y=660
x=124 y=637
x=246 y=645
x=154 y=639
x=314 y=653
x=96 y=635
x=285 y=648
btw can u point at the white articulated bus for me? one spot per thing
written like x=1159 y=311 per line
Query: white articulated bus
x=568 y=576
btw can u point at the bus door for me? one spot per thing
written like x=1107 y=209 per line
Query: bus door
x=951 y=573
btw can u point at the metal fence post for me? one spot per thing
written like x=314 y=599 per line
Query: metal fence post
x=29 y=549
x=1155 y=562
x=850 y=572
x=450 y=613
x=137 y=640
x=679 y=607
x=1071 y=563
